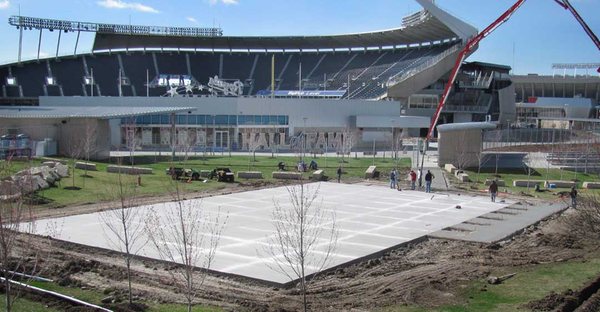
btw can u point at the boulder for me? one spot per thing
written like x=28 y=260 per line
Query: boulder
x=49 y=164
x=450 y=168
x=560 y=184
x=86 y=166
x=318 y=175
x=591 y=185
x=463 y=177
x=287 y=175
x=62 y=170
x=27 y=184
x=488 y=182
x=250 y=174
x=371 y=172
x=525 y=183
x=128 y=170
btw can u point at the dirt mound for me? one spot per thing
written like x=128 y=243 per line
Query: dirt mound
x=552 y=301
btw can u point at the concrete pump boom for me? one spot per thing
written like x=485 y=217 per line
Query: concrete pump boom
x=471 y=43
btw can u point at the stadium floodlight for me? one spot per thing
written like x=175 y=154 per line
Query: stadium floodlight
x=24 y=22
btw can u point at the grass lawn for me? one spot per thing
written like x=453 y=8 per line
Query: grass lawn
x=100 y=185
x=22 y=304
x=478 y=181
x=530 y=283
x=95 y=297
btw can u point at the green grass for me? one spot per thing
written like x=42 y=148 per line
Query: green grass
x=98 y=186
x=478 y=180
x=25 y=305
x=530 y=283
x=95 y=297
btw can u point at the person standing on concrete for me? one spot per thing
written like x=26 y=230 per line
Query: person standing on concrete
x=493 y=190
x=339 y=173
x=573 y=194
x=428 y=179
x=413 y=180
x=393 y=178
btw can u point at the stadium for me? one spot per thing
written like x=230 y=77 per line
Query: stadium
x=316 y=88
x=194 y=102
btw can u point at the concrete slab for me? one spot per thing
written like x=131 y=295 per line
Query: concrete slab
x=370 y=219
x=501 y=224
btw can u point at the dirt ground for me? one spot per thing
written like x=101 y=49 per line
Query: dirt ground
x=429 y=273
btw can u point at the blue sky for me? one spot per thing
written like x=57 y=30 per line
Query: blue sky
x=540 y=33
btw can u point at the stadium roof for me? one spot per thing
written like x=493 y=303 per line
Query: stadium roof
x=427 y=26
x=84 y=111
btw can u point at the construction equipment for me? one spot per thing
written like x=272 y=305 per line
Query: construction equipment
x=222 y=175
x=177 y=173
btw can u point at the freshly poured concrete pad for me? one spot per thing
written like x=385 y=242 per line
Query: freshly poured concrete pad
x=370 y=219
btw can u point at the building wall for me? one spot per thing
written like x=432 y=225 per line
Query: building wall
x=69 y=133
x=326 y=119
x=460 y=148
x=318 y=112
x=506 y=103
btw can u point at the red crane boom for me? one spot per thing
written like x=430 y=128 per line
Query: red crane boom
x=472 y=42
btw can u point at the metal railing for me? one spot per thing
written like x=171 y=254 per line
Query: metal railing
x=400 y=77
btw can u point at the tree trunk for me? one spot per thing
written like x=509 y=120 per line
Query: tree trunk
x=7 y=292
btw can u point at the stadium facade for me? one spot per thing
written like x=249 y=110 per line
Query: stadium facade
x=240 y=93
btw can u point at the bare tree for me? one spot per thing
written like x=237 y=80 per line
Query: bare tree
x=88 y=143
x=15 y=217
x=124 y=225
x=187 y=142
x=253 y=142
x=300 y=230
x=584 y=221
x=73 y=149
x=189 y=235
x=345 y=141
x=131 y=139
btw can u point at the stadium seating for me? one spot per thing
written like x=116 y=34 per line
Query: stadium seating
x=367 y=71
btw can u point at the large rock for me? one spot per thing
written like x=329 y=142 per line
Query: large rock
x=27 y=184
x=86 y=166
x=62 y=170
x=250 y=174
x=287 y=175
x=40 y=182
x=47 y=173
x=128 y=170
x=50 y=164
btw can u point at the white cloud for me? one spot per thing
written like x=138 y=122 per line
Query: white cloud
x=4 y=4
x=191 y=19
x=136 y=6
x=227 y=2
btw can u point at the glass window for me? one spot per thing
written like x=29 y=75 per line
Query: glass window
x=164 y=119
x=146 y=119
x=221 y=119
x=181 y=119
x=257 y=119
x=155 y=119
x=282 y=120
